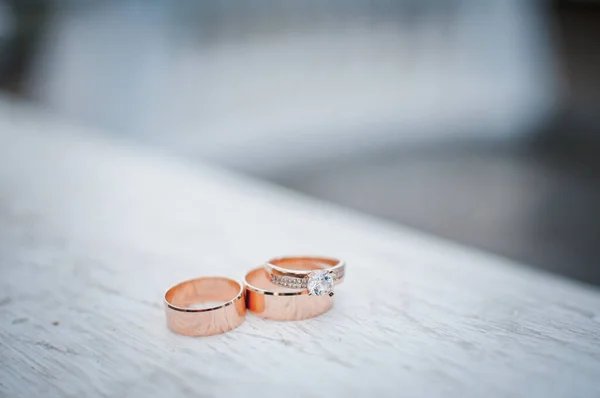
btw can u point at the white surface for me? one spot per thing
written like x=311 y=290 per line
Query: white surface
x=92 y=232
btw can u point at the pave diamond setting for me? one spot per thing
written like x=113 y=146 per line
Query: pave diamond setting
x=320 y=283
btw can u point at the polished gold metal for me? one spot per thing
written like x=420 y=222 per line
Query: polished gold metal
x=271 y=301
x=295 y=271
x=224 y=306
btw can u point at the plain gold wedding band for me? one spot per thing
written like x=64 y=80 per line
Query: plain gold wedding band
x=183 y=318
x=271 y=301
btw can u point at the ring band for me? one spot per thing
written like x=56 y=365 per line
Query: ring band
x=223 y=310
x=270 y=301
x=316 y=274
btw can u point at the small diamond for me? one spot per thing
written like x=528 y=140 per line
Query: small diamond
x=319 y=283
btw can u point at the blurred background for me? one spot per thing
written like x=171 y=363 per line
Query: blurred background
x=477 y=121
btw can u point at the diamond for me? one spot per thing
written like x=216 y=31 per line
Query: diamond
x=319 y=282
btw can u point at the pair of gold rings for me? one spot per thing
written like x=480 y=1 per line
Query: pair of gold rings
x=285 y=289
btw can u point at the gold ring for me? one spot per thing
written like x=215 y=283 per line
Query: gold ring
x=271 y=301
x=205 y=306
x=317 y=275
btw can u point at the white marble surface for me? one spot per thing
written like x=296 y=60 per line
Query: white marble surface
x=93 y=231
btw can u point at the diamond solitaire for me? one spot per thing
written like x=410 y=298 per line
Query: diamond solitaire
x=320 y=283
x=315 y=274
